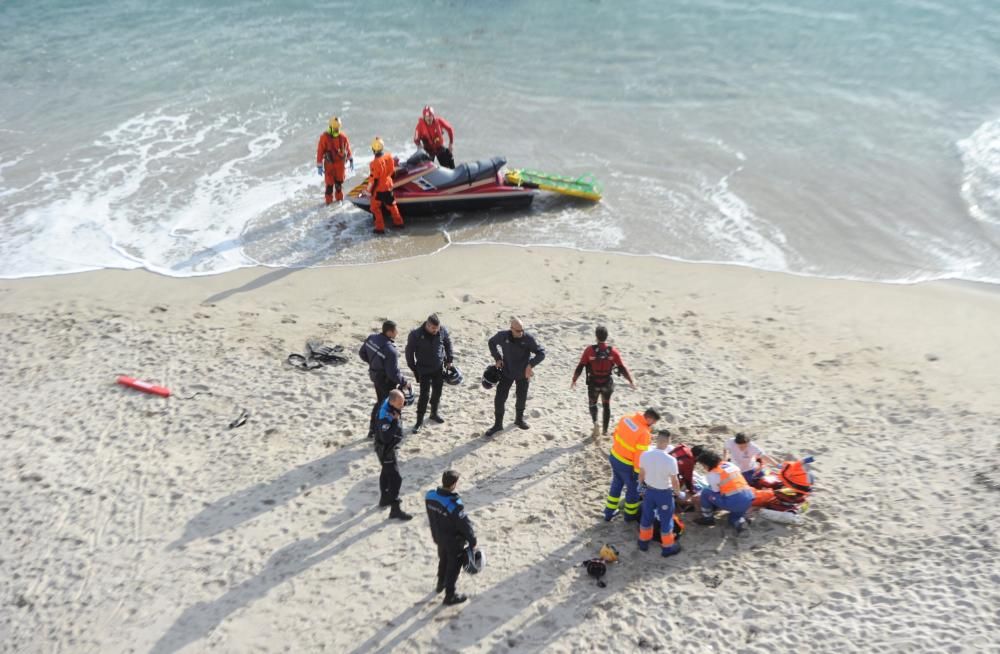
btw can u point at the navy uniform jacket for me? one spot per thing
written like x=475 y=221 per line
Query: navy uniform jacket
x=428 y=353
x=388 y=433
x=450 y=526
x=516 y=353
x=379 y=352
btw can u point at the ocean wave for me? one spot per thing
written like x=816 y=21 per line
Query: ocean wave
x=981 y=172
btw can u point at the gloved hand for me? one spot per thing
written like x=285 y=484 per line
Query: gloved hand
x=319 y=169
x=350 y=163
x=681 y=495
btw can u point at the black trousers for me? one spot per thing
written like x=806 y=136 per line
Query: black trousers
x=431 y=384
x=503 y=390
x=449 y=566
x=445 y=158
x=382 y=387
x=390 y=480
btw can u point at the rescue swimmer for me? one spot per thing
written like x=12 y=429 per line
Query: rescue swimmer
x=333 y=155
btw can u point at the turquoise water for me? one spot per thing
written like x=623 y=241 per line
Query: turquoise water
x=840 y=139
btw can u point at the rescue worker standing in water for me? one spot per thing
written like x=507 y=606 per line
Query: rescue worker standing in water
x=380 y=187
x=333 y=153
x=630 y=440
x=429 y=135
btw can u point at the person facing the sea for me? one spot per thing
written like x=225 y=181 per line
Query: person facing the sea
x=333 y=152
x=380 y=186
x=451 y=530
x=516 y=353
x=746 y=454
x=630 y=440
x=727 y=490
x=428 y=353
x=389 y=434
x=600 y=361
x=429 y=136
x=379 y=352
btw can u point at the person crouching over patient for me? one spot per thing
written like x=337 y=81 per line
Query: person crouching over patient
x=727 y=490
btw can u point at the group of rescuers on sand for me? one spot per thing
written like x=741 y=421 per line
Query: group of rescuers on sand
x=334 y=156
x=650 y=476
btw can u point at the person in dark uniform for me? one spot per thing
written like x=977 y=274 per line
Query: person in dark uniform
x=428 y=353
x=451 y=529
x=379 y=352
x=516 y=353
x=388 y=436
x=600 y=361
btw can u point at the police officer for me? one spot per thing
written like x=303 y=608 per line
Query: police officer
x=428 y=353
x=379 y=352
x=387 y=440
x=516 y=353
x=451 y=529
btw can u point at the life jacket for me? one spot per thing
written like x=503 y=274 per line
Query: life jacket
x=685 y=464
x=382 y=168
x=630 y=440
x=601 y=365
x=796 y=476
x=334 y=148
x=731 y=480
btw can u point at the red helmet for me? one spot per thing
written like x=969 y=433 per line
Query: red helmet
x=429 y=114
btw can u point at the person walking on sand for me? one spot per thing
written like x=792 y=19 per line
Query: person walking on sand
x=451 y=530
x=388 y=436
x=658 y=471
x=630 y=440
x=517 y=354
x=600 y=361
x=379 y=352
x=333 y=154
x=727 y=490
x=428 y=353
x=746 y=454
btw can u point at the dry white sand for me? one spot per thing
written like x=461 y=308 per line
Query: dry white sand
x=136 y=523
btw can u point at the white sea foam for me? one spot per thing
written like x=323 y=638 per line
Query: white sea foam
x=981 y=176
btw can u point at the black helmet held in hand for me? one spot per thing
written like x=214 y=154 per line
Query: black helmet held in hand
x=491 y=377
x=453 y=376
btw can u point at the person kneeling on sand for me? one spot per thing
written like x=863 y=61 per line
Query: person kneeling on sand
x=451 y=530
x=746 y=454
x=727 y=490
x=658 y=471
x=388 y=436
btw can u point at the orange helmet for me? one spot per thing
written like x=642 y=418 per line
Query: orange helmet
x=428 y=114
x=796 y=475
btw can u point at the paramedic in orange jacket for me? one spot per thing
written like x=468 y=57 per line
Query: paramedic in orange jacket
x=380 y=187
x=727 y=490
x=429 y=135
x=332 y=153
x=630 y=440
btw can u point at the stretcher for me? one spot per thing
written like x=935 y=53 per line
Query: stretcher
x=585 y=186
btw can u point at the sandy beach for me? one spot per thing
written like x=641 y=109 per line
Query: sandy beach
x=134 y=523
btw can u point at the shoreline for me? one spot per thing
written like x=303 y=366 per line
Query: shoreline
x=138 y=522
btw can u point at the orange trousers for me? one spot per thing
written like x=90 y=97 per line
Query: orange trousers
x=388 y=200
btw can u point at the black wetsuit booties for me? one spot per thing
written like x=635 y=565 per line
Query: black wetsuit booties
x=517 y=354
x=451 y=529
x=388 y=436
x=427 y=355
x=379 y=352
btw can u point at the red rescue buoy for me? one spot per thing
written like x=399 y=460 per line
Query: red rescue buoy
x=144 y=386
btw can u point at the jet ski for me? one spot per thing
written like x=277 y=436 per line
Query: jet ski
x=422 y=188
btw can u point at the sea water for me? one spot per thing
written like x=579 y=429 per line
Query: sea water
x=837 y=138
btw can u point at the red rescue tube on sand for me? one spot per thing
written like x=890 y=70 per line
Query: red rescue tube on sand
x=144 y=386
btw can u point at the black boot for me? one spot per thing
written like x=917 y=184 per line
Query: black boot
x=457 y=598
x=397 y=513
x=435 y=418
x=492 y=431
x=519 y=421
x=420 y=423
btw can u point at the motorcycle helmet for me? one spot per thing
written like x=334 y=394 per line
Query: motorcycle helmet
x=473 y=561
x=491 y=377
x=428 y=114
x=408 y=396
x=378 y=146
x=453 y=376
